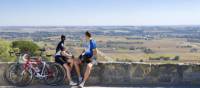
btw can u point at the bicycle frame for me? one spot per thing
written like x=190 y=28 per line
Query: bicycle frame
x=28 y=66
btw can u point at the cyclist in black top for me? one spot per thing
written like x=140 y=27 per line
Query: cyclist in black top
x=65 y=59
x=60 y=44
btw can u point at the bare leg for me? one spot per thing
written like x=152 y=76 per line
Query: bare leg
x=76 y=64
x=68 y=69
x=88 y=70
x=86 y=75
x=71 y=61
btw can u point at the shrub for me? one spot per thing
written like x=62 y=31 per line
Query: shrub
x=5 y=47
x=176 y=58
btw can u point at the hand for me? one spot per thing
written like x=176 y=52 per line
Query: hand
x=83 y=51
x=94 y=62
x=94 y=58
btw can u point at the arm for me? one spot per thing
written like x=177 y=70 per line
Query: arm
x=94 y=57
x=94 y=49
x=94 y=53
x=63 y=53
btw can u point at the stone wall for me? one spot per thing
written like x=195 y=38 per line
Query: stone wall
x=145 y=74
x=119 y=73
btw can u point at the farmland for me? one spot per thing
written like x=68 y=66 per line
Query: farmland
x=167 y=44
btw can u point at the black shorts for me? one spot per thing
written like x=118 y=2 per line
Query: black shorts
x=85 y=59
x=61 y=60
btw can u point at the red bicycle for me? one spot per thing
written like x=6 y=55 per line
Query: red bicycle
x=22 y=74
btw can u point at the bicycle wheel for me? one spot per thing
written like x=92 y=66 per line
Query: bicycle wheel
x=27 y=77
x=61 y=74
x=6 y=76
x=16 y=75
x=51 y=72
x=13 y=74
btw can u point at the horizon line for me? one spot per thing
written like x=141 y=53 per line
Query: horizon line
x=93 y=25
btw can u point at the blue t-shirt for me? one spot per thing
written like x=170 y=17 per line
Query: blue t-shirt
x=91 y=46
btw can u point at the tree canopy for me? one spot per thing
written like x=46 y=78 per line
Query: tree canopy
x=25 y=45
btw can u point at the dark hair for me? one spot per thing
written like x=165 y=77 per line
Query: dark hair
x=87 y=33
x=62 y=36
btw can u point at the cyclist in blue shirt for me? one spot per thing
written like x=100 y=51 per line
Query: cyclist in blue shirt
x=89 y=56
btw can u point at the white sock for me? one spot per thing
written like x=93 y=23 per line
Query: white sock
x=80 y=78
x=70 y=81
x=83 y=82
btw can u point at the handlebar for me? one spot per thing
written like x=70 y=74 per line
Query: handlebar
x=50 y=55
x=11 y=52
x=15 y=53
x=18 y=53
x=42 y=50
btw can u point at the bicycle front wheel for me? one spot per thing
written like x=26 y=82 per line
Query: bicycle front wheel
x=51 y=72
x=62 y=74
x=27 y=77
x=13 y=74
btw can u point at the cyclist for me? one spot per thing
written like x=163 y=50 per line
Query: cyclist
x=65 y=59
x=89 y=56
x=61 y=43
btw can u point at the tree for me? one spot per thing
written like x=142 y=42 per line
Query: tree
x=25 y=45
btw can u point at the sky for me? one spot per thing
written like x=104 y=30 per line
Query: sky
x=99 y=12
